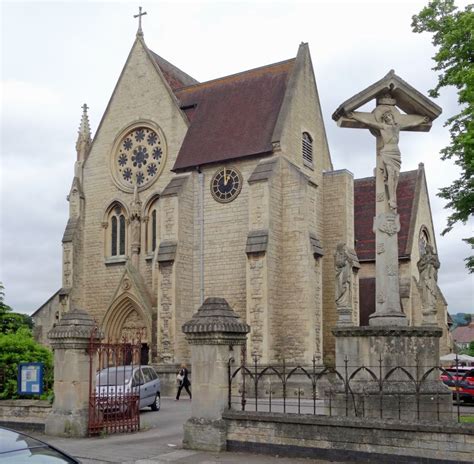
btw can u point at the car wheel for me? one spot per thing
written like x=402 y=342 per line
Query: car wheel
x=155 y=406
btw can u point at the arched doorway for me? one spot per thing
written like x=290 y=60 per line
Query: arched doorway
x=125 y=321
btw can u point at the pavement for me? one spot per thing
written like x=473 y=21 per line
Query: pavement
x=159 y=441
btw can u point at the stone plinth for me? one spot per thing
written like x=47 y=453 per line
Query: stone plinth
x=415 y=350
x=215 y=334
x=70 y=341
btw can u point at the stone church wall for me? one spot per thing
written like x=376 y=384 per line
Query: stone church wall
x=140 y=95
x=338 y=195
x=226 y=226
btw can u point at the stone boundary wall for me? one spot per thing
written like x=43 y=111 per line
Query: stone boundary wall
x=349 y=439
x=167 y=375
x=27 y=415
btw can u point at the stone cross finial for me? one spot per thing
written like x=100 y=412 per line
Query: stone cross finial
x=139 y=16
x=84 y=135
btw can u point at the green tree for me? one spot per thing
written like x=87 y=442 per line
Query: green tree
x=453 y=35
x=470 y=350
x=21 y=347
x=10 y=321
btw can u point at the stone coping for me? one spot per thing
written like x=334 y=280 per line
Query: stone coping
x=25 y=403
x=388 y=331
x=215 y=315
x=340 y=421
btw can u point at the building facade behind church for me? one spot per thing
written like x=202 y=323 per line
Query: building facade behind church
x=218 y=189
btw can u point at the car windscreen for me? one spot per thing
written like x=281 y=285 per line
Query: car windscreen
x=114 y=376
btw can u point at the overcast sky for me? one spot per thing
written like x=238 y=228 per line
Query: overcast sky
x=58 y=55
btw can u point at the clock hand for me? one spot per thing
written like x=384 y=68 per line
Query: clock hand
x=225 y=177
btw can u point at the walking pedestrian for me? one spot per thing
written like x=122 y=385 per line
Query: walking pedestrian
x=183 y=381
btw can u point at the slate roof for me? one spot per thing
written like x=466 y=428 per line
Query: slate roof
x=364 y=212
x=230 y=117
x=173 y=75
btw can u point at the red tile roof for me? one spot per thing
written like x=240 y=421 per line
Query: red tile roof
x=364 y=212
x=464 y=334
x=231 y=117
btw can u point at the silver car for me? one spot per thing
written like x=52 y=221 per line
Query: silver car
x=119 y=381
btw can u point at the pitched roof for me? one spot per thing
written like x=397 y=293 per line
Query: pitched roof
x=364 y=212
x=230 y=117
x=464 y=334
x=173 y=75
x=408 y=98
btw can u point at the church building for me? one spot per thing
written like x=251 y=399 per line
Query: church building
x=192 y=190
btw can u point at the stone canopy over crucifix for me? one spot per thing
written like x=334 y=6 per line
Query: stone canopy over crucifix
x=385 y=122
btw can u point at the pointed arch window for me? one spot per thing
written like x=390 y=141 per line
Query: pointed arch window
x=153 y=229
x=423 y=240
x=115 y=231
x=113 y=242
x=307 y=149
x=122 y=235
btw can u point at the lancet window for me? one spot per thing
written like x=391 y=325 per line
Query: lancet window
x=153 y=225
x=423 y=240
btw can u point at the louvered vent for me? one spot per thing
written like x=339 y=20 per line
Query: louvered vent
x=307 y=142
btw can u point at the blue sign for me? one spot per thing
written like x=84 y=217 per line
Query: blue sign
x=30 y=378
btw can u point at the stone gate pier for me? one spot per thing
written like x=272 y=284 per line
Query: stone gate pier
x=70 y=341
x=215 y=334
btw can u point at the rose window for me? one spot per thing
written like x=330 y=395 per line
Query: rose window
x=138 y=157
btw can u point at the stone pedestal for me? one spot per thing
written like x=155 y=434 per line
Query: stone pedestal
x=402 y=358
x=215 y=334
x=70 y=341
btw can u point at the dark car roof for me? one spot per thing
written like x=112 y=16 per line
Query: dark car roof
x=12 y=441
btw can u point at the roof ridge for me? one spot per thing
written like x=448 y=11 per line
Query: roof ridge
x=373 y=177
x=279 y=63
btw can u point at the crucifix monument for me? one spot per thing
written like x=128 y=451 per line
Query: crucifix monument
x=385 y=122
x=388 y=346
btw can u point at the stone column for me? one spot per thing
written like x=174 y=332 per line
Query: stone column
x=215 y=334
x=70 y=341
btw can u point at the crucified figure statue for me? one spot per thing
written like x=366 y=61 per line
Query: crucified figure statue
x=388 y=129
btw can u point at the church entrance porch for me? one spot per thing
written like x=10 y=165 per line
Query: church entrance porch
x=126 y=320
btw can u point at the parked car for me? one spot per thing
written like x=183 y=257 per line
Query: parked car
x=19 y=448
x=461 y=382
x=120 y=381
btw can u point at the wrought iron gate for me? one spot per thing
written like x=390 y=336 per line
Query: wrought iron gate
x=114 y=403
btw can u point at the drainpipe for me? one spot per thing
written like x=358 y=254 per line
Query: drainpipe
x=201 y=236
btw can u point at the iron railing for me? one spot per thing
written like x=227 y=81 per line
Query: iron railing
x=114 y=403
x=383 y=392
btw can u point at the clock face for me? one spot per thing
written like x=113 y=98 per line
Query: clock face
x=226 y=185
x=138 y=157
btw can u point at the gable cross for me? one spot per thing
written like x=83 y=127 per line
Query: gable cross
x=139 y=16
